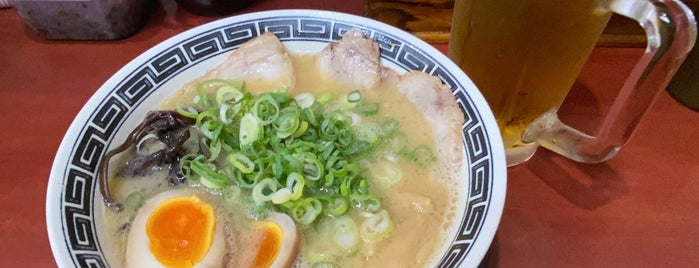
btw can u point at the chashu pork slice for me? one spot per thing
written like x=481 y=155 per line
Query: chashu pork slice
x=437 y=103
x=262 y=62
x=262 y=58
x=355 y=60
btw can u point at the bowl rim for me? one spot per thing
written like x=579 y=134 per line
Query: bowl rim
x=498 y=174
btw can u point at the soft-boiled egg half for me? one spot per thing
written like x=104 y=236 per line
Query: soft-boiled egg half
x=278 y=242
x=176 y=228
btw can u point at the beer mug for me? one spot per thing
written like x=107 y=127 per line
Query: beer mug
x=684 y=86
x=525 y=55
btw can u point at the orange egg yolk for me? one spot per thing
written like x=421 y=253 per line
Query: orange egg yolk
x=270 y=244
x=181 y=231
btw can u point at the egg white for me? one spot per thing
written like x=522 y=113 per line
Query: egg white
x=288 y=250
x=138 y=252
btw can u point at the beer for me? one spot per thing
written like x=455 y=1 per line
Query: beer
x=524 y=55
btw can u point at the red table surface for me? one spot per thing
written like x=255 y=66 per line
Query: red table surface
x=640 y=208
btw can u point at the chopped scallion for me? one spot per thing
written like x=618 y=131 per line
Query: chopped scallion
x=354 y=96
x=249 y=129
x=376 y=226
x=304 y=100
x=241 y=162
x=298 y=155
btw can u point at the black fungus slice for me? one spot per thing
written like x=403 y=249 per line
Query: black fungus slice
x=171 y=129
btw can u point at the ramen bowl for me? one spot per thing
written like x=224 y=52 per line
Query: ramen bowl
x=74 y=204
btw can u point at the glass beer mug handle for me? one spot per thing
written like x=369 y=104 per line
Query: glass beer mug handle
x=671 y=30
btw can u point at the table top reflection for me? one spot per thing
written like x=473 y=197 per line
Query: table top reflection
x=637 y=209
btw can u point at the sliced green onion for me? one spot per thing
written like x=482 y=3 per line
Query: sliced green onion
x=345 y=186
x=363 y=189
x=277 y=167
x=223 y=114
x=212 y=84
x=281 y=196
x=211 y=129
x=187 y=111
x=228 y=94
x=424 y=154
x=241 y=162
x=344 y=224
x=304 y=100
x=342 y=168
x=310 y=116
x=303 y=126
x=184 y=166
x=263 y=191
x=292 y=163
x=212 y=183
x=325 y=97
x=329 y=180
x=208 y=87
x=306 y=210
x=312 y=168
x=376 y=226
x=368 y=203
x=301 y=155
x=287 y=122
x=329 y=130
x=367 y=108
x=354 y=96
x=336 y=206
x=303 y=147
x=345 y=234
x=266 y=109
x=366 y=135
x=249 y=129
x=281 y=96
x=328 y=150
x=215 y=150
x=205 y=116
x=134 y=201
x=421 y=154
x=232 y=193
x=386 y=174
x=295 y=183
x=345 y=137
x=388 y=127
x=208 y=176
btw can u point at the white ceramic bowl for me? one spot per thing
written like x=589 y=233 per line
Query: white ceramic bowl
x=73 y=200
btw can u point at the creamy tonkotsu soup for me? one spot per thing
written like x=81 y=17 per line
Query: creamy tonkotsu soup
x=397 y=211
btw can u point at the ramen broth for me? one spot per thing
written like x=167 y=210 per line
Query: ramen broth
x=421 y=205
